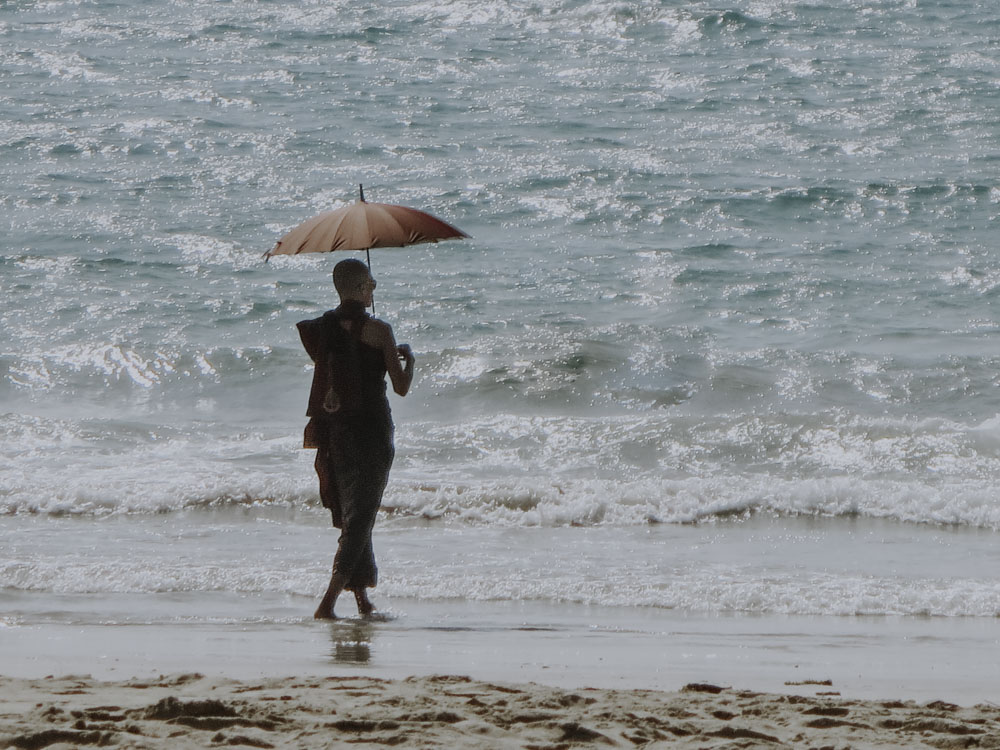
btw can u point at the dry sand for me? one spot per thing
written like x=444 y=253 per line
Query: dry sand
x=192 y=711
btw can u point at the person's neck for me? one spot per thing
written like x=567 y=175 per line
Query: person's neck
x=352 y=306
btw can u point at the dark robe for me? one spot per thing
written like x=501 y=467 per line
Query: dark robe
x=351 y=428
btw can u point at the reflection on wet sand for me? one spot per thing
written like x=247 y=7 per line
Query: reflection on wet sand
x=352 y=640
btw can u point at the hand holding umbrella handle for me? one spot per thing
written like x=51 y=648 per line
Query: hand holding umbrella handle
x=406 y=354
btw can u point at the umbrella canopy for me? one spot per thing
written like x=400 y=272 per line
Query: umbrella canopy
x=363 y=226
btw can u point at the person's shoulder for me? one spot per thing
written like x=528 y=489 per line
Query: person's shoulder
x=316 y=321
x=313 y=326
x=379 y=329
x=380 y=325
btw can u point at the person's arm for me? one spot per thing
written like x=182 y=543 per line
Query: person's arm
x=401 y=375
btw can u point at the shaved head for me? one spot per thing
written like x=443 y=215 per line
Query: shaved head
x=348 y=275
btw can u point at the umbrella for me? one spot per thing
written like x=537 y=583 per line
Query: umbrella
x=363 y=226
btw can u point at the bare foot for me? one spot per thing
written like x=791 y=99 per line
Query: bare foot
x=365 y=607
x=324 y=611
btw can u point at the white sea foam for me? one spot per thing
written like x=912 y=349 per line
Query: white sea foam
x=173 y=475
x=525 y=471
x=70 y=66
x=738 y=568
x=722 y=591
x=597 y=502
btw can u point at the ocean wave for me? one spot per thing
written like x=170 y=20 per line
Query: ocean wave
x=90 y=370
x=526 y=503
x=581 y=571
x=717 y=589
x=177 y=347
x=653 y=501
x=711 y=23
x=524 y=470
x=103 y=467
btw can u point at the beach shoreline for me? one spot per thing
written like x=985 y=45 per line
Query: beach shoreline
x=192 y=710
x=246 y=637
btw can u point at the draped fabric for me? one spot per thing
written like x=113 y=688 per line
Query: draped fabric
x=351 y=428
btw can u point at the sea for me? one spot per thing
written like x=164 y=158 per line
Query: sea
x=724 y=342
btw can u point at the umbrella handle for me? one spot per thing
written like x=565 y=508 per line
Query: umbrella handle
x=368 y=254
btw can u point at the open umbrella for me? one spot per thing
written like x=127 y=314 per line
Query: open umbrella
x=362 y=226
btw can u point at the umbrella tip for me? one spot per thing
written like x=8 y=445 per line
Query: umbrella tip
x=361 y=189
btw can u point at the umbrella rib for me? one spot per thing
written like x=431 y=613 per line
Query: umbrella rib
x=394 y=232
x=327 y=234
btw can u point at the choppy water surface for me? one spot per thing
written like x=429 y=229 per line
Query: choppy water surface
x=726 y=259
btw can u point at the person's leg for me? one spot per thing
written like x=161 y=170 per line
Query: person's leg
x=365 y=607
x=365 y=576
x=353 y=569
x=354 y=560
x=338 y=479
x=362 y=471
x=325 y=609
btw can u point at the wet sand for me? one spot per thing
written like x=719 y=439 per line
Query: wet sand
x=117 y=637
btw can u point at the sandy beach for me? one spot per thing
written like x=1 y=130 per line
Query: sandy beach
x=191 y=710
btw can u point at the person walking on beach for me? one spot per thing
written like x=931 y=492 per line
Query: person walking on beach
x=350 y=424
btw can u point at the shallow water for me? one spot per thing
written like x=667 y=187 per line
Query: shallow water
x=756 y=565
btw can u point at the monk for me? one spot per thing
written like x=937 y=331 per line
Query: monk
x=350 y=424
